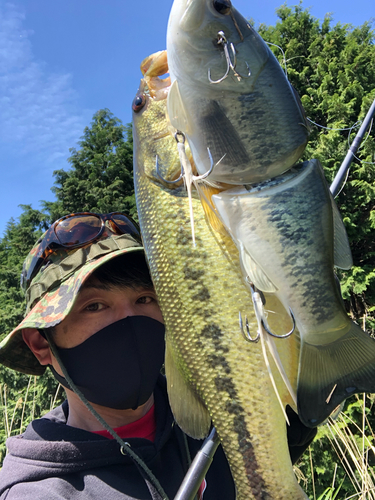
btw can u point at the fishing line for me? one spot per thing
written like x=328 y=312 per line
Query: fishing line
x=368 y=133
x=361 y=146
x=356 y=157
x=284 y=60
x=356 y=125
x=343 y=184
x=347 y=173
x=362 y=161
x=372 y=121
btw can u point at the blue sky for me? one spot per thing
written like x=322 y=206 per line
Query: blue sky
x=62 y=61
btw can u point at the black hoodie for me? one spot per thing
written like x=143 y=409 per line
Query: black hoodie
x=54 y=461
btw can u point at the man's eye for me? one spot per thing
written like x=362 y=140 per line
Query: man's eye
x=146 y=299
x=95 y=306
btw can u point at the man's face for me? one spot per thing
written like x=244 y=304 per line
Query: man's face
x=98 y=306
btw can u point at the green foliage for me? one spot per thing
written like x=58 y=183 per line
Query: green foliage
x=101 y=177
x=18 y=405
x=348 y=444
x=14 y=247
x=333 y=70
x=330 y=493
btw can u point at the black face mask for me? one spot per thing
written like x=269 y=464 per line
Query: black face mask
x=118 y=366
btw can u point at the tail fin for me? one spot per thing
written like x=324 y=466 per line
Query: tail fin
x=328 y=374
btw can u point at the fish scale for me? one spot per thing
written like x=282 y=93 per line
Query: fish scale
x=200 y=292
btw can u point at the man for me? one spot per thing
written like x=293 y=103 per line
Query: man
x=93 y=318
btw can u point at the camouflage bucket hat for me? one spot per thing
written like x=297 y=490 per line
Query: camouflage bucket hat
x=53 y=291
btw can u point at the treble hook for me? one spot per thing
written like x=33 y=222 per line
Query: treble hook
x=162 y=178
x=195 y=178
x=263 y=321
x=286 y=335
x=221 y=40
x=212 y=165
x=246 y=334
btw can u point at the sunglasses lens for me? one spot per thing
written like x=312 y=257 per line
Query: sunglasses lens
x=126 y=226
x=78 y=230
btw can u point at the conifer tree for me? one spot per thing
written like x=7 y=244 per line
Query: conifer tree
x=101 y=175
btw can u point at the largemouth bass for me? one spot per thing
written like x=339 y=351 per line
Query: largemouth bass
x=290 y=235
x=213 y=374
x=252 y=121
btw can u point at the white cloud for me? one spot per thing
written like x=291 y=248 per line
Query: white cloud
x=39 y=113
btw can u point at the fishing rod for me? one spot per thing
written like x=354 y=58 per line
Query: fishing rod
x=340 y=176
x=198 y=468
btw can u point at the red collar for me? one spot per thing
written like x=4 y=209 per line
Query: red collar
x=145 y=428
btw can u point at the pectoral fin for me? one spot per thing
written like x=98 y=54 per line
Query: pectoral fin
x=187 y=407
x=221 y=137
x=342 y=253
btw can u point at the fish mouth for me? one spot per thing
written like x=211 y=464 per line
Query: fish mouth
x=153 y=68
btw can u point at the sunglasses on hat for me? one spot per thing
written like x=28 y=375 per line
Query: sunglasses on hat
x=75 y=231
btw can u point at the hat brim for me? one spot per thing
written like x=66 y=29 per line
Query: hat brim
x=49 y=311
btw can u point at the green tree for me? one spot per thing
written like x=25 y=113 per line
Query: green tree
x=101 y=175
x=101 y=180
x=18 y=239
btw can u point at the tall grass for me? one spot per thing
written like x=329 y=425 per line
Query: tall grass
x=19 y=407
x=343 y=454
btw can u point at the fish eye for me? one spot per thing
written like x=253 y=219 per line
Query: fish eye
x=139 y=102
x=222 y=6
